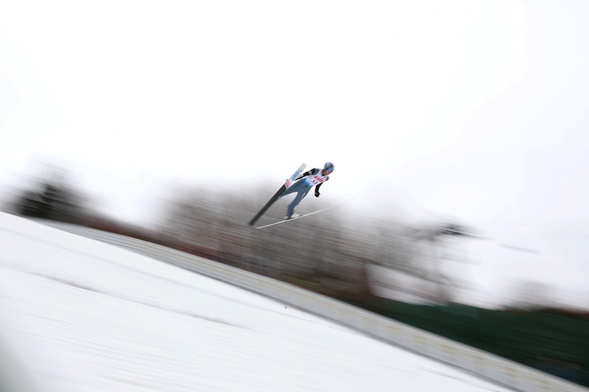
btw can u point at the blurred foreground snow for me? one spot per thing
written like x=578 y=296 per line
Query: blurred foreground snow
x=85 y=316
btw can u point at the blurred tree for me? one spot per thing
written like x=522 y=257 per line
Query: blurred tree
x=214 y=222
x=54 y=200
x=327 y=249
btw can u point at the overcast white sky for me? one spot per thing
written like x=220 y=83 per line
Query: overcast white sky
x=472 y=109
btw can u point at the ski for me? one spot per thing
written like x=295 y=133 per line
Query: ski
x=297 y=217
x=286 y=184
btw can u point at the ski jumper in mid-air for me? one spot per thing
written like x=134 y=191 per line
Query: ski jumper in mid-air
x=303 y=184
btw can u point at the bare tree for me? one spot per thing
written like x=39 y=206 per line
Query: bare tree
x=54 y=199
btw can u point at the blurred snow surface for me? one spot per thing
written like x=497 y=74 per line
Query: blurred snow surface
x=80 y=315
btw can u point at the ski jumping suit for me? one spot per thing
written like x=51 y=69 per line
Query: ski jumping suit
x=302 y=186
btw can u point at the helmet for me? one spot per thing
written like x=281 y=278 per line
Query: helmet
x=328 y=167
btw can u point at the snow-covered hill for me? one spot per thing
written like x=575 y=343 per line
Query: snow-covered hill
x=81 y=315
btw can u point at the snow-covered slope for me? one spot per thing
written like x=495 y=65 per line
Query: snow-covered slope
x=85 y=316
